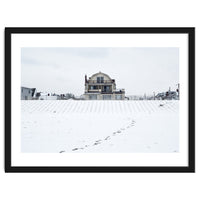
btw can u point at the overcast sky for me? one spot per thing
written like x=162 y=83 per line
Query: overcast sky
x=137 y=70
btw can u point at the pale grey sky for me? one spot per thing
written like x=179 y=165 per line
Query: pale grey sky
x=137 y=70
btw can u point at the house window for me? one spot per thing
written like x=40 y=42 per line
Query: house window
x=93 y=97
x=106 y=97
x=107 y=88
x=93 y=87
x=100 y=79
x=118 y=97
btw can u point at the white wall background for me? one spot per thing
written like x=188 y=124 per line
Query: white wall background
x=90 y=13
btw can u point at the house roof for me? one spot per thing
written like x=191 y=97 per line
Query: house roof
x=100 y=73
x=27 y=88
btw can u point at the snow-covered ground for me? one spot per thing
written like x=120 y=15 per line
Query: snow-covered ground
x=57 y=126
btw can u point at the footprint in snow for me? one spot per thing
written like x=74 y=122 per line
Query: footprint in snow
x=97 y=142
x=107 y=138
x=81 y=148
x=75 y=149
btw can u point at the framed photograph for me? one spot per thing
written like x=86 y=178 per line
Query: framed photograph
x=100 y=99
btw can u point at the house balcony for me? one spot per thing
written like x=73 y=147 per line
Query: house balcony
x=100 y=82
x=106 y=91
x=94 y=91
x=100 y=91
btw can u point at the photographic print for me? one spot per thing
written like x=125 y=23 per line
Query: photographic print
x=100 y=99
x=70 y=106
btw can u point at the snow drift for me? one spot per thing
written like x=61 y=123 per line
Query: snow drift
x=99 y=126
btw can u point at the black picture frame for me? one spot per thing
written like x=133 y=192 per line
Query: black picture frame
x=190 y=31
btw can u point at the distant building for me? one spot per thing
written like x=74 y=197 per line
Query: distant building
x=48 y=96
x=101 y=87
x=169 y=95
x=28 y=93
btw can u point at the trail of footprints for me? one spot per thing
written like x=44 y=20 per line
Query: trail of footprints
x=97 y=142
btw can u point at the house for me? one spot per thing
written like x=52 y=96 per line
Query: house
x=101 y=87
x=28 y=93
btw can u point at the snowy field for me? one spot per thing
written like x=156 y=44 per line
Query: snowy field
x=55 y=126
